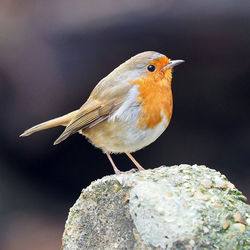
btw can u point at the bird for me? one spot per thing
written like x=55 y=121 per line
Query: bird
x=126 y=111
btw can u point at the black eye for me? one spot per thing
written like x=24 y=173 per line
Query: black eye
x=151 y=68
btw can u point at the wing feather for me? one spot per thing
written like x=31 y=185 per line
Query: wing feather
x=95 y=111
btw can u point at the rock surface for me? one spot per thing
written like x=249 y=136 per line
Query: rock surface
x=178 y=207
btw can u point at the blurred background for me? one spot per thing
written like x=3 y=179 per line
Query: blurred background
x=52 y=53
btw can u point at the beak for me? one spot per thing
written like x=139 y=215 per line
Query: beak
x=173 y=63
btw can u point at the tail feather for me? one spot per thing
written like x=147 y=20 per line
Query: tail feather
x=60 y=121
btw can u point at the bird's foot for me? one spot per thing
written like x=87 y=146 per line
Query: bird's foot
x=117 y=171
x=140 y=168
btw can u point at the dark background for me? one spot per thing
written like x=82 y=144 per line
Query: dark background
x=52 y=54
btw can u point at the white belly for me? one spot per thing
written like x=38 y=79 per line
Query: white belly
x=132 y=138
x=120 y=132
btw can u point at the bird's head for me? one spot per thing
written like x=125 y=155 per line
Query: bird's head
x=148 y=65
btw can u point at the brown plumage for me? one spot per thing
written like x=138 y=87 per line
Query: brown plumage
x=60 y=121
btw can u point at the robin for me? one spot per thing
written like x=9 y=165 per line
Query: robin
x=126 y=111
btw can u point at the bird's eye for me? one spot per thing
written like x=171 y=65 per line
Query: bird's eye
x=151 y=68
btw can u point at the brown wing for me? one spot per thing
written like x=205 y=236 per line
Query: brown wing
x=95 y=111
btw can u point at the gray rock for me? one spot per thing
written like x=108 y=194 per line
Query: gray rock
x=179 y=207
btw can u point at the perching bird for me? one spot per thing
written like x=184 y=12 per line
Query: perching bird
x=127 y=110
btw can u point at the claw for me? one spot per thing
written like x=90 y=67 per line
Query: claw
x=133 y=170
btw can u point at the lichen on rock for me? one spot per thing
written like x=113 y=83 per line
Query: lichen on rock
x=178 y=207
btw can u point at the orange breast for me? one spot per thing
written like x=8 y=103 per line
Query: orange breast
x=155 y=96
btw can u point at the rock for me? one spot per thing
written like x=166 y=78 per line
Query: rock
x=238 y=218
x=240 y=227
x=225 y=225
x=179 y=207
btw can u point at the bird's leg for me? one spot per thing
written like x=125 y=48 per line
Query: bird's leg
x=140 y=168
x=117 y=171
